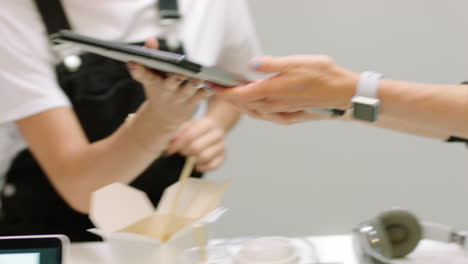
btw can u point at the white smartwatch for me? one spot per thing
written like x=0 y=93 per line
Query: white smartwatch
x=365 y=104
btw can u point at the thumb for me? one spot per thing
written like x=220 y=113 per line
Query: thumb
x=152 y=43
x=268 y=64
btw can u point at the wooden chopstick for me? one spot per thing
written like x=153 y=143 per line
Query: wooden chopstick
x=200 y=238
x=185 y=174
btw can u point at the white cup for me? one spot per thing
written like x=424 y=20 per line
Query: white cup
x=268 y=250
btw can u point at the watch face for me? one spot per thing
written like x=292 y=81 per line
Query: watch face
x=366 y=112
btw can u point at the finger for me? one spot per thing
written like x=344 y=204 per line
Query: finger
x=256 y=90
x=274 y=105
x=203 y=85
x=252 y=113
x=173 y=82
x=293 y=118
x=190 y=134
x=270 y=64
x=303 y=115
x=285 y=118
x=143 y=75
x=207 y=155
x=186 y=91
x=182 y=128
x=203 y=142
x=241 y=95
x=264 y=105
x=214 y=164
x=277 y=118
x=152 y=43
x=213 y=87
x=134 y=69
x=170 y=149
x=199 y=95
x=174 y=146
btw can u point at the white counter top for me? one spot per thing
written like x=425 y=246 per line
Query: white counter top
x=330 y=249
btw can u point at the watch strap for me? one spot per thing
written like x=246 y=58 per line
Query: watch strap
x=368 y=84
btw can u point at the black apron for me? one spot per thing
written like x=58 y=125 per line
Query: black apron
x=102 y=94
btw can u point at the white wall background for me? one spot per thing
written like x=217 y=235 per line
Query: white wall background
x=322 y=178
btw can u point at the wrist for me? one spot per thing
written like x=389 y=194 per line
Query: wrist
x=347 y=89
x=223 y=114
x=164 y=121
x=146 y=132
x=216 y=123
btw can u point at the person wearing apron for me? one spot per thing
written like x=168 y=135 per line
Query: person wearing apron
x=103 y=93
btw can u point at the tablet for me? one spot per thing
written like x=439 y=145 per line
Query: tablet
x=162 y=61
x=49 y=249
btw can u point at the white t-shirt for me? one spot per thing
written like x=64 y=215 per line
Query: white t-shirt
x=214 y=32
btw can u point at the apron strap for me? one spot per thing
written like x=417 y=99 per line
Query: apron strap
x=169 y=10
x=53 y=15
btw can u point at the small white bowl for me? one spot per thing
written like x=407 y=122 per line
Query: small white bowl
x=268 y=250
x=213 y=254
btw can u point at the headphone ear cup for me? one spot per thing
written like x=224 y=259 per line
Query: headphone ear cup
x=402 y=229
x=383 y=247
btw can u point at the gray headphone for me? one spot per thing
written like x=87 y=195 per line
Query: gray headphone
x=396 y=233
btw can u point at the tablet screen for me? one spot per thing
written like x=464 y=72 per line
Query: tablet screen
x=30 y=256
x=31 y=250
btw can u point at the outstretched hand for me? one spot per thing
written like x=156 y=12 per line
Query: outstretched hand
x=300 y=83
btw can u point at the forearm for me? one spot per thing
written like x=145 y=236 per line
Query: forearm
x=77 y=168
x=441 y=110
x=120 y=157
x=403 y=127
x=316 y=81
x=437 y=111
x=222 y=112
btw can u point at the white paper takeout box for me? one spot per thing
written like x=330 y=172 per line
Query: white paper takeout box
x=137 y=233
